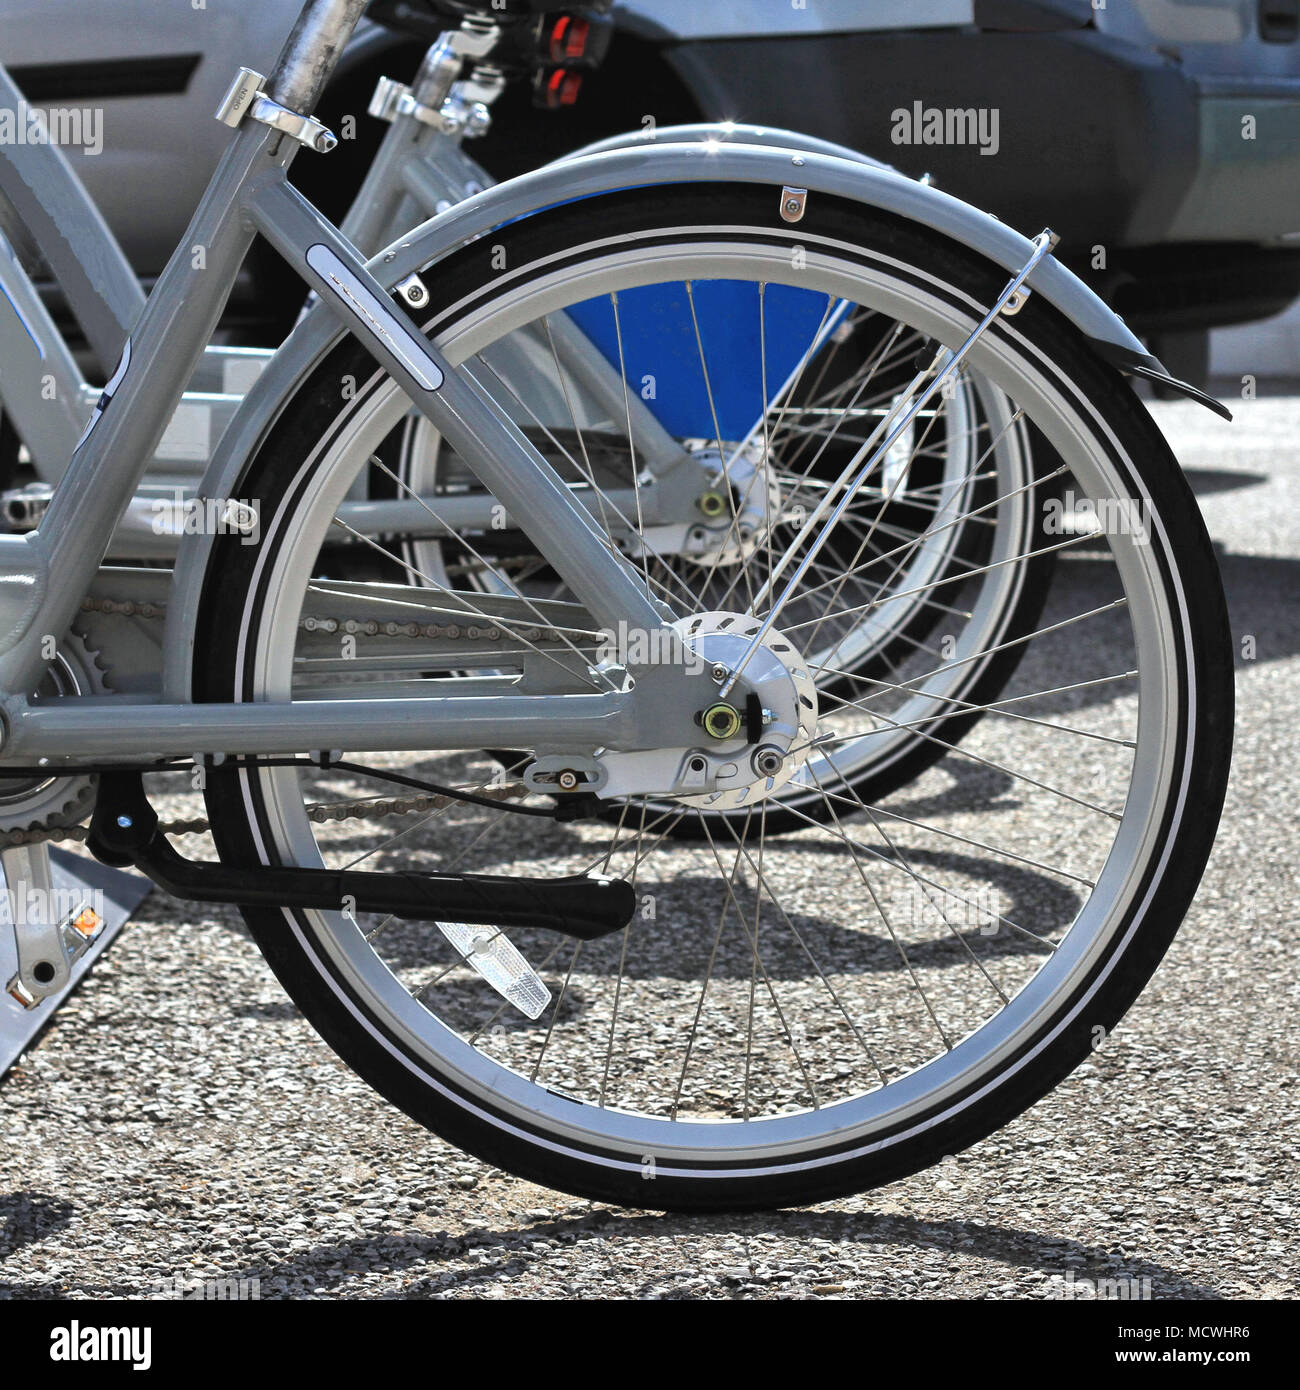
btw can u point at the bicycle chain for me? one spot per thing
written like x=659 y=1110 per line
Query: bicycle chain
x=375 y=808
x=319 y=811
x=371 y=627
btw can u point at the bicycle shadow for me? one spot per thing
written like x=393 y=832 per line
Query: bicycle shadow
x=330 y=1266
x=25 y=1219
x=1209 y=482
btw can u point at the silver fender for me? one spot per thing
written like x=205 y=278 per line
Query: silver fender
x=727 y=132
x=590 y=175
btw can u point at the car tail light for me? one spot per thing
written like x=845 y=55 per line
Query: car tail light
x=568 y=39
x=558 y=88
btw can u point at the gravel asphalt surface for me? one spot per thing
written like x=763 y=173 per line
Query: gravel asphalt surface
x=180 y=1121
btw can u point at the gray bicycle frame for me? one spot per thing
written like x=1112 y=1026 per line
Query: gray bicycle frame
x=45 y=574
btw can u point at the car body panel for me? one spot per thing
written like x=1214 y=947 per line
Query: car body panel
x=159 y=147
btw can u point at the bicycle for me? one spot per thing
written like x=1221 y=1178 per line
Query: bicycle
x=737 y=1032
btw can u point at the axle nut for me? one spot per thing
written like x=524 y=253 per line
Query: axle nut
x=721 y=721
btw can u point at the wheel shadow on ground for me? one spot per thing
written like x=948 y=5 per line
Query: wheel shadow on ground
x=329 y=1268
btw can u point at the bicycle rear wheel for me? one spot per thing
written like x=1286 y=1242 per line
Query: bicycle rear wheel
x=789 y=1017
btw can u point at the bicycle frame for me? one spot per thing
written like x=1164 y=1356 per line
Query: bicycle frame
x=44 y=574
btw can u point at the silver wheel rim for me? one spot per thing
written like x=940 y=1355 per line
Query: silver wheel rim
x=768 y=1143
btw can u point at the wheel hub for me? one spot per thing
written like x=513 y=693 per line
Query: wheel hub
x=744 y=771
x=737 y=506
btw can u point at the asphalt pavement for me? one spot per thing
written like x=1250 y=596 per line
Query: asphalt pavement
x=179 y=1122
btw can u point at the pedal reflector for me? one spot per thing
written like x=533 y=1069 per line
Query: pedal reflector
x=489 y=951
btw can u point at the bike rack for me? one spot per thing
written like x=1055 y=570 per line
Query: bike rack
x=117 y=895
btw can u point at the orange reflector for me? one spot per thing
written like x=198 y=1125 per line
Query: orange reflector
x=87 y=921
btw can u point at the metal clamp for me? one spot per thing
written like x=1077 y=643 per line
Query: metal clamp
x=393 y=99
x=794 y=202
x=245 y=97
x=456 y=115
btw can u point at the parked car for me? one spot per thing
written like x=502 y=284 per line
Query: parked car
x=1161 y=138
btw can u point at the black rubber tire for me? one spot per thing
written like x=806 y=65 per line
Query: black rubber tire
x=1095 y=392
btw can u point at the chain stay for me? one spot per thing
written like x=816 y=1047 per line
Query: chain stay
x=321 y=811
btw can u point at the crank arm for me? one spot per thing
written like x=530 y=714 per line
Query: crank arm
x=124 y=831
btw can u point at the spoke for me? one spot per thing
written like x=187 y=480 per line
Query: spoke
x=855 y=803
x=964 y=752
x=965 y=518
x=902 y=859
x=840 y=834
x=866 y=540
x=909 y=686
x=766 y=886
x=798 y=374
x=962 y=576
x=631 y=442
x=562 y=378
x=704 y=987
x=555 y=1012
x=910 y=547
x=889 y=926
x=753 y=941
x=622 y=955
x=754 y=957
x=731 y=532
x=967 y=707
